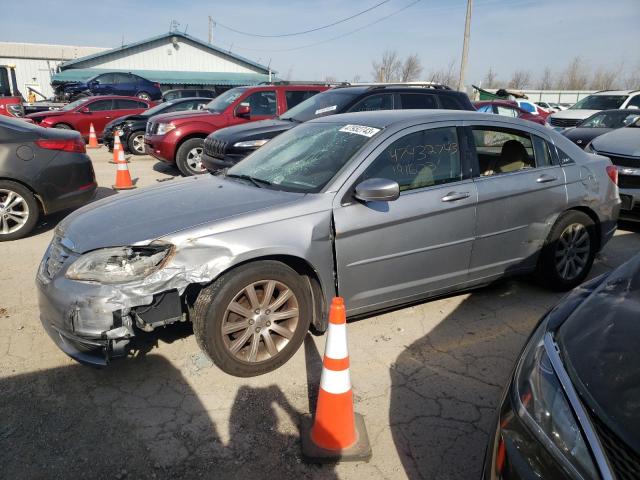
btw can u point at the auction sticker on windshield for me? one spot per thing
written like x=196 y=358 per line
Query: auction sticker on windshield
x=326 y=109
x=360 y=130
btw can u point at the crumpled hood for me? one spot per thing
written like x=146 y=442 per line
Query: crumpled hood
x=150 y=213
x=599 y=345
x=262 y=129
x=623 y=141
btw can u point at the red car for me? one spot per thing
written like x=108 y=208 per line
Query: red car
x=507 y=108
x=179 y=137
x=100 y=110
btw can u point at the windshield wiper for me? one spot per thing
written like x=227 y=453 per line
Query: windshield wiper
x=258 y=182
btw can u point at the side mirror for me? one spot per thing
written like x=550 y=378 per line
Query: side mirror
x=243 y=111
x=84 y=110
x=377 y=190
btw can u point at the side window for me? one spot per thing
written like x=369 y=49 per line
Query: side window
x=121 y=104
x=486 y=109
x=542 y=152
x=634 y=102
x=374 y=102
x=171 y=96
x=262 y=103
x=122 y=78
x=417 y=100
x=449 y=102
x=294 y=97
x=506 y=111
x=105 y=78
x=563 y=157
x=502 y=151
x=420 y=159
x=100 y=105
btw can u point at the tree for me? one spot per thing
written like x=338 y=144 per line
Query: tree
x=546 y=80
x=604 y=79
x=575 y=76
x=388 y=69
x=411 y=68
x=519 y=79
x=445 y=76
x=490 y=78
x=632 y=80
x=356 y=78
x=330 y=79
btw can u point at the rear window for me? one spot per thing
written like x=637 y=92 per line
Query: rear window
x=417 y=100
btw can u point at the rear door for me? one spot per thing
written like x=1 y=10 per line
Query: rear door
x=410 y=101
x=125 y=84
x=391 y=252
x=521 y=189
x=381 y=101
x=103 y=84
x=125 y=106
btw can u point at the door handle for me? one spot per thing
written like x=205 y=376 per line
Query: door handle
x=453 y=196
x=546 y=178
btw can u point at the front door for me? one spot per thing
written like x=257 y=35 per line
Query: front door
x=521 y=190
x=97 y=110
x=391 y=252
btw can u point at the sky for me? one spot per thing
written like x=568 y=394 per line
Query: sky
x=506 y=35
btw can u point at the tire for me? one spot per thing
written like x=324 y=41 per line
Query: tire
x=188 y=158
x=136 y=138
x=20 y=214
x=62 y=126
x=143 y=96
x=211 y=313
x=568 y=253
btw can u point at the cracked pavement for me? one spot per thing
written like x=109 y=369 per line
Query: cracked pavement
x=427 y=378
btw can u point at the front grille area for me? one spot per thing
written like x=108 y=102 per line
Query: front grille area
x=628 y=181
x=58 y=255
x=152 y=128
x=214 y=147
x=624 y=461
x=563 y=122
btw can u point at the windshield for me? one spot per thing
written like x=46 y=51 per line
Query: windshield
x=157 y=109
x=600 y=102
x=221 y=102
x=305 y=158
x=72 y=105
x=615 y=119
x=320 y=105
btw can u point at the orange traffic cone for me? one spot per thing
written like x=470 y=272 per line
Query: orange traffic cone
x=93 y=140
x=117 y=146
x=123 y=178
x=338 y=433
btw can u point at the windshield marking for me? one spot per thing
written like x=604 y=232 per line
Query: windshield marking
x=326 y=109
x=360 y=130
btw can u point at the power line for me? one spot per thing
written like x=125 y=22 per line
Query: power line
x=304 y=31
x=333 y=38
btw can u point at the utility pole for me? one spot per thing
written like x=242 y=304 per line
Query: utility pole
x=210 y=30
x=465 y=45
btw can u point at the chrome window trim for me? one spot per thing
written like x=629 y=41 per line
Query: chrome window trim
x=592 y=439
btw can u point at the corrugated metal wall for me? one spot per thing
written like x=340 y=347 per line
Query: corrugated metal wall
x=164 y=55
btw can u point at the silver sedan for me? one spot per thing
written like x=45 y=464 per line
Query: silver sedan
x=383 y=208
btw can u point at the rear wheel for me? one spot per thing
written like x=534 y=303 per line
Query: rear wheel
x=144 y=96
x=568 y=254
x=18 y=210
x=136 y=142
x=189 y=157
x=62 y=126
x=254 y=318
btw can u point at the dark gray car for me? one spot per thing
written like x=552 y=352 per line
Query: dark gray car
x=382 y=208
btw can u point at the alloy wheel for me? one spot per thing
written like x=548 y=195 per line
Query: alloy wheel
x=260 y=321
x=138 y=143
x=194 y=160
x=572 y=251
x=14 y=212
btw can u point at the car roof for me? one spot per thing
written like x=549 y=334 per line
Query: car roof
x=615 y=92
x=386 y=118
x=115 y=97
x=360 y=89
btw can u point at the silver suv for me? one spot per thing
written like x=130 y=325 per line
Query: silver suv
x=383 y=208
x=603 y=100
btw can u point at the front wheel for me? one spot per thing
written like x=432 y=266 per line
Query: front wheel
x=189 y=157
x=252 y=319
x=569 y=251
x=136 y=142
x=18 y=210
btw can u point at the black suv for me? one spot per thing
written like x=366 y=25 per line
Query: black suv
x=226 y=147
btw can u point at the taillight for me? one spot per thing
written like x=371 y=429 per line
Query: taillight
x=67 y=145
x=612 y=171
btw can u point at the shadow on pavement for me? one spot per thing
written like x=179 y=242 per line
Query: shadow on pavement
x=447 y=385
x=143 y=420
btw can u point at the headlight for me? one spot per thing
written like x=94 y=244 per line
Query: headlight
x=250 y=143
x=16 y=109
x=119 y=264
x=543 y=406
x=165 y=128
